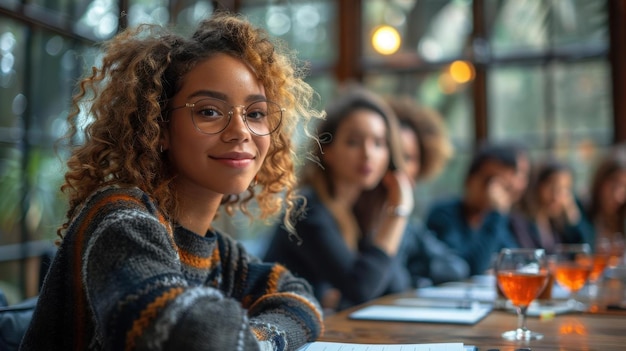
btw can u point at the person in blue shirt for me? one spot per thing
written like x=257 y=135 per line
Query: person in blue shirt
x=476 y=225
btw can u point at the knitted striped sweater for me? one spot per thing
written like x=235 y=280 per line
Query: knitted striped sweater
x=123 y=279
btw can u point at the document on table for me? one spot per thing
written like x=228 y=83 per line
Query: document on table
x=458 y=292
x=434 y=314
x=339 y=346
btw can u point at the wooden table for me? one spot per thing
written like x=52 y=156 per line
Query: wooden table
x=603 y=330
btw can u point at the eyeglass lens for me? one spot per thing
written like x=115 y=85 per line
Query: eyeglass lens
x=212 y=116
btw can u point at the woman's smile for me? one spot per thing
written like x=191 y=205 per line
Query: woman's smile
x=235 y=159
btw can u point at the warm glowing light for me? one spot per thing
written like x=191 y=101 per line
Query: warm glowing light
x=461 y=71
x=386 y=40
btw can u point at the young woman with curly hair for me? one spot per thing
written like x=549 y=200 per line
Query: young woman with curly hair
x=176 y=128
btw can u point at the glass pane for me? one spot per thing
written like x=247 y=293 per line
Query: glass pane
x=188 y=13
x=10 y=4
x=12 y=59
x=148 y=11
x=580 y=22
x=51 y=85
x=517 y=104
x=582 y=96
x=57 y=6
x=523 y=27
x=98 y=19
x=45 y=203
x=309 y=27
x=433 y=89
x=435 y=30
x=45 y=206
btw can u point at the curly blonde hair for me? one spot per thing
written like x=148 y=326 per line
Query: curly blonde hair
x=126 y=100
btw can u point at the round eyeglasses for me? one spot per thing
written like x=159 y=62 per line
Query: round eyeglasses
x=212 y=116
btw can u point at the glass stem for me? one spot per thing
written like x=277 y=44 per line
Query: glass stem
x=521 y=319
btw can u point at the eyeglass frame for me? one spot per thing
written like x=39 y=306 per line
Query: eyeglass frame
x=231 y=112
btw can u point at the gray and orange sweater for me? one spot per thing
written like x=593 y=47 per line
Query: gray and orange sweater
x=124 y=279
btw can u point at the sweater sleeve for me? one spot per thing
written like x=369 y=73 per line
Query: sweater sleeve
x=282 y=309
x=141 y=300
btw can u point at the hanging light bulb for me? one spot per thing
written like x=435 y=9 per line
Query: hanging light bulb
x=386 y=40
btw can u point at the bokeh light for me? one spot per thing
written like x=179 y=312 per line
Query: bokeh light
x=462 y=71
x=386 y=40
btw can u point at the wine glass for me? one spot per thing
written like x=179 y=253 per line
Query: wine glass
x=572 y=265
x=617 y=250
x=522 y=274
x=601 y=259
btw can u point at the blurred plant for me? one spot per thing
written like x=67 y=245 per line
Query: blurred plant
x=30 y=194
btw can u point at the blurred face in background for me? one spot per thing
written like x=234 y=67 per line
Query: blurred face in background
x=520 y=182
x=410 y=152
x=359 y=152
x=613 y=192
x=491 y=173
x=555 y=193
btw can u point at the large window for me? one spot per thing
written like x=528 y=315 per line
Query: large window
x=540 y=68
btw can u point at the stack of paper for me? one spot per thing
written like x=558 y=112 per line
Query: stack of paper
x=339 y=346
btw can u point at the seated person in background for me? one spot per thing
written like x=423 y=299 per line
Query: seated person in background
x=606 y=208
x=475 y=225
x=426 y=150
x=551 y=208
x=518 y=221
x=358 y=200
x=140 y=264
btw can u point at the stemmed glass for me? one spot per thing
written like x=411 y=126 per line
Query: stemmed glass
x=571 y=265
x=522 y=274
x=601 y=259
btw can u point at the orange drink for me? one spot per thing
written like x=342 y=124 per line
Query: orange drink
x=521 y=275
x=600 y=262
x=521 y=288
x=546 y=293
x=573 y=276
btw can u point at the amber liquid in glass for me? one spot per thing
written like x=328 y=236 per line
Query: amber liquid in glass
x=521 y=288
x=572 y=275
x=599 y=264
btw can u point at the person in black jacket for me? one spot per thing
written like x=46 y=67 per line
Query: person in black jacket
x=358 y=202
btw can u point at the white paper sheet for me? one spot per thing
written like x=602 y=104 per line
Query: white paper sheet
x=458 y=292
x=336 y=346
x=435 y=314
